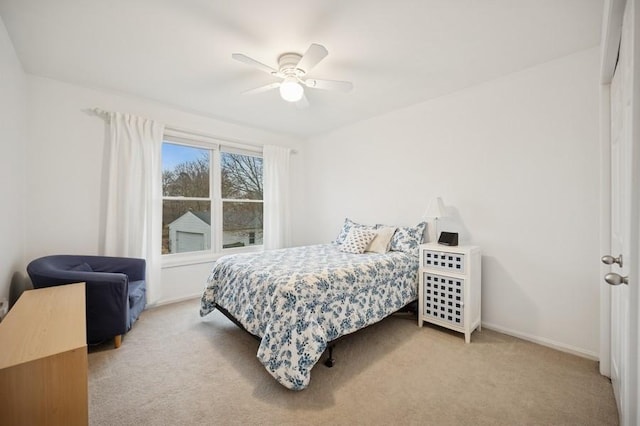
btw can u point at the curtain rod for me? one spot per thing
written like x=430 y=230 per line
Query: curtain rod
x=235 y=143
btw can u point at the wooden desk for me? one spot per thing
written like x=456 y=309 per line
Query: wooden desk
x=43 y=358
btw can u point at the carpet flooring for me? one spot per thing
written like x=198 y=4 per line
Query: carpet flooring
x=175 y=368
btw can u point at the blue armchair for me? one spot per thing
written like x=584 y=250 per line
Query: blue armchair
x=115 y=289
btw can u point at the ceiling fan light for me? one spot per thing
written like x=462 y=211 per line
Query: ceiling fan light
x=291 y=90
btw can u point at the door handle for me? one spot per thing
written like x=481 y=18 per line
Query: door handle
x=616 y=279
x=610 y=260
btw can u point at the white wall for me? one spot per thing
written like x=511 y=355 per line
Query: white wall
x=13 y=139
x=516 y=160
x=66 y=170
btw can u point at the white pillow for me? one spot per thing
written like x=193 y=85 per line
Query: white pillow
x=357 y=240
x=382 y=241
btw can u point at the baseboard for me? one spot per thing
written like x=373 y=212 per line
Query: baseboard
x=176 y=300
x=544 y=342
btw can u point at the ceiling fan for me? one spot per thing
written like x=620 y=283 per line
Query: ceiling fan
x=293 y=69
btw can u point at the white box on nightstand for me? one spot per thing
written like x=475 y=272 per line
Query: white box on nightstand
x=449 y=291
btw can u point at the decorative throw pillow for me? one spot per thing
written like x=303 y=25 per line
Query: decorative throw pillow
x=346 y=227
x=357 y=240
x=408 y=238
x=382 y=241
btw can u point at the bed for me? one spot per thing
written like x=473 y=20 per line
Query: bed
x=298 y=300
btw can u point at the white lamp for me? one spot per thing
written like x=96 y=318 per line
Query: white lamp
x=435 y=210
x=291 y=90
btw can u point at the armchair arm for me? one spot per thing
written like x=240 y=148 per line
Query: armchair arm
x=134 y=268
x=52 y=277
x=107 y=301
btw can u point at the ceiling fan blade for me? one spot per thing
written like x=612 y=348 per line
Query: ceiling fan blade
x=343 y=86
x=250 y=61
x=262 y=88
x=314 y=54
x=303 y=103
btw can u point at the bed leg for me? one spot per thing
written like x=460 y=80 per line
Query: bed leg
x=330 y=361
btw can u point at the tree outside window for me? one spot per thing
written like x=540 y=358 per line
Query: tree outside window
x=242 y=200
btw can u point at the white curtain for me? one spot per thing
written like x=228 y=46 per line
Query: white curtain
x=134 y=199
x=277 y=221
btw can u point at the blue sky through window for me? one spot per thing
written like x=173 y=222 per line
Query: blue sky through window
x=173 y=154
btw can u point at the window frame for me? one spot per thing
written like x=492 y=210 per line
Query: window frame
x=216 y=148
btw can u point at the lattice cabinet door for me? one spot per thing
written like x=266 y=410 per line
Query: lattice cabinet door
x=444 y=298
x=449 y=293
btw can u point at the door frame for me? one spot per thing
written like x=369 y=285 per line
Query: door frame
x=612 y=26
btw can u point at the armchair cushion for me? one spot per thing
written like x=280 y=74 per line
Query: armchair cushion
x=137 y=299
x=115 y=288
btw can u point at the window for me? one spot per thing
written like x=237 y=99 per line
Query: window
x=186 y=198
x=211 y=198
x=242 y=212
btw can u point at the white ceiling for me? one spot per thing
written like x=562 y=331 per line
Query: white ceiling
x=396 y=53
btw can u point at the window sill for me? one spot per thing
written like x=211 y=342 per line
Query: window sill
x=185 y=259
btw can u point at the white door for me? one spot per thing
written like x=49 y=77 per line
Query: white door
x=619 y=243
x=623 y=362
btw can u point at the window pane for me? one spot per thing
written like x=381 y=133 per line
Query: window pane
x=186 y=226
x=185 y=171
x=241 y=176
x=242 y=224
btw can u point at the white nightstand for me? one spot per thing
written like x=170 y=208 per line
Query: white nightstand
x=449 y=292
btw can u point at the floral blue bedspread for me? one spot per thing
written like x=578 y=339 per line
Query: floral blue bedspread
x=300 y=298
